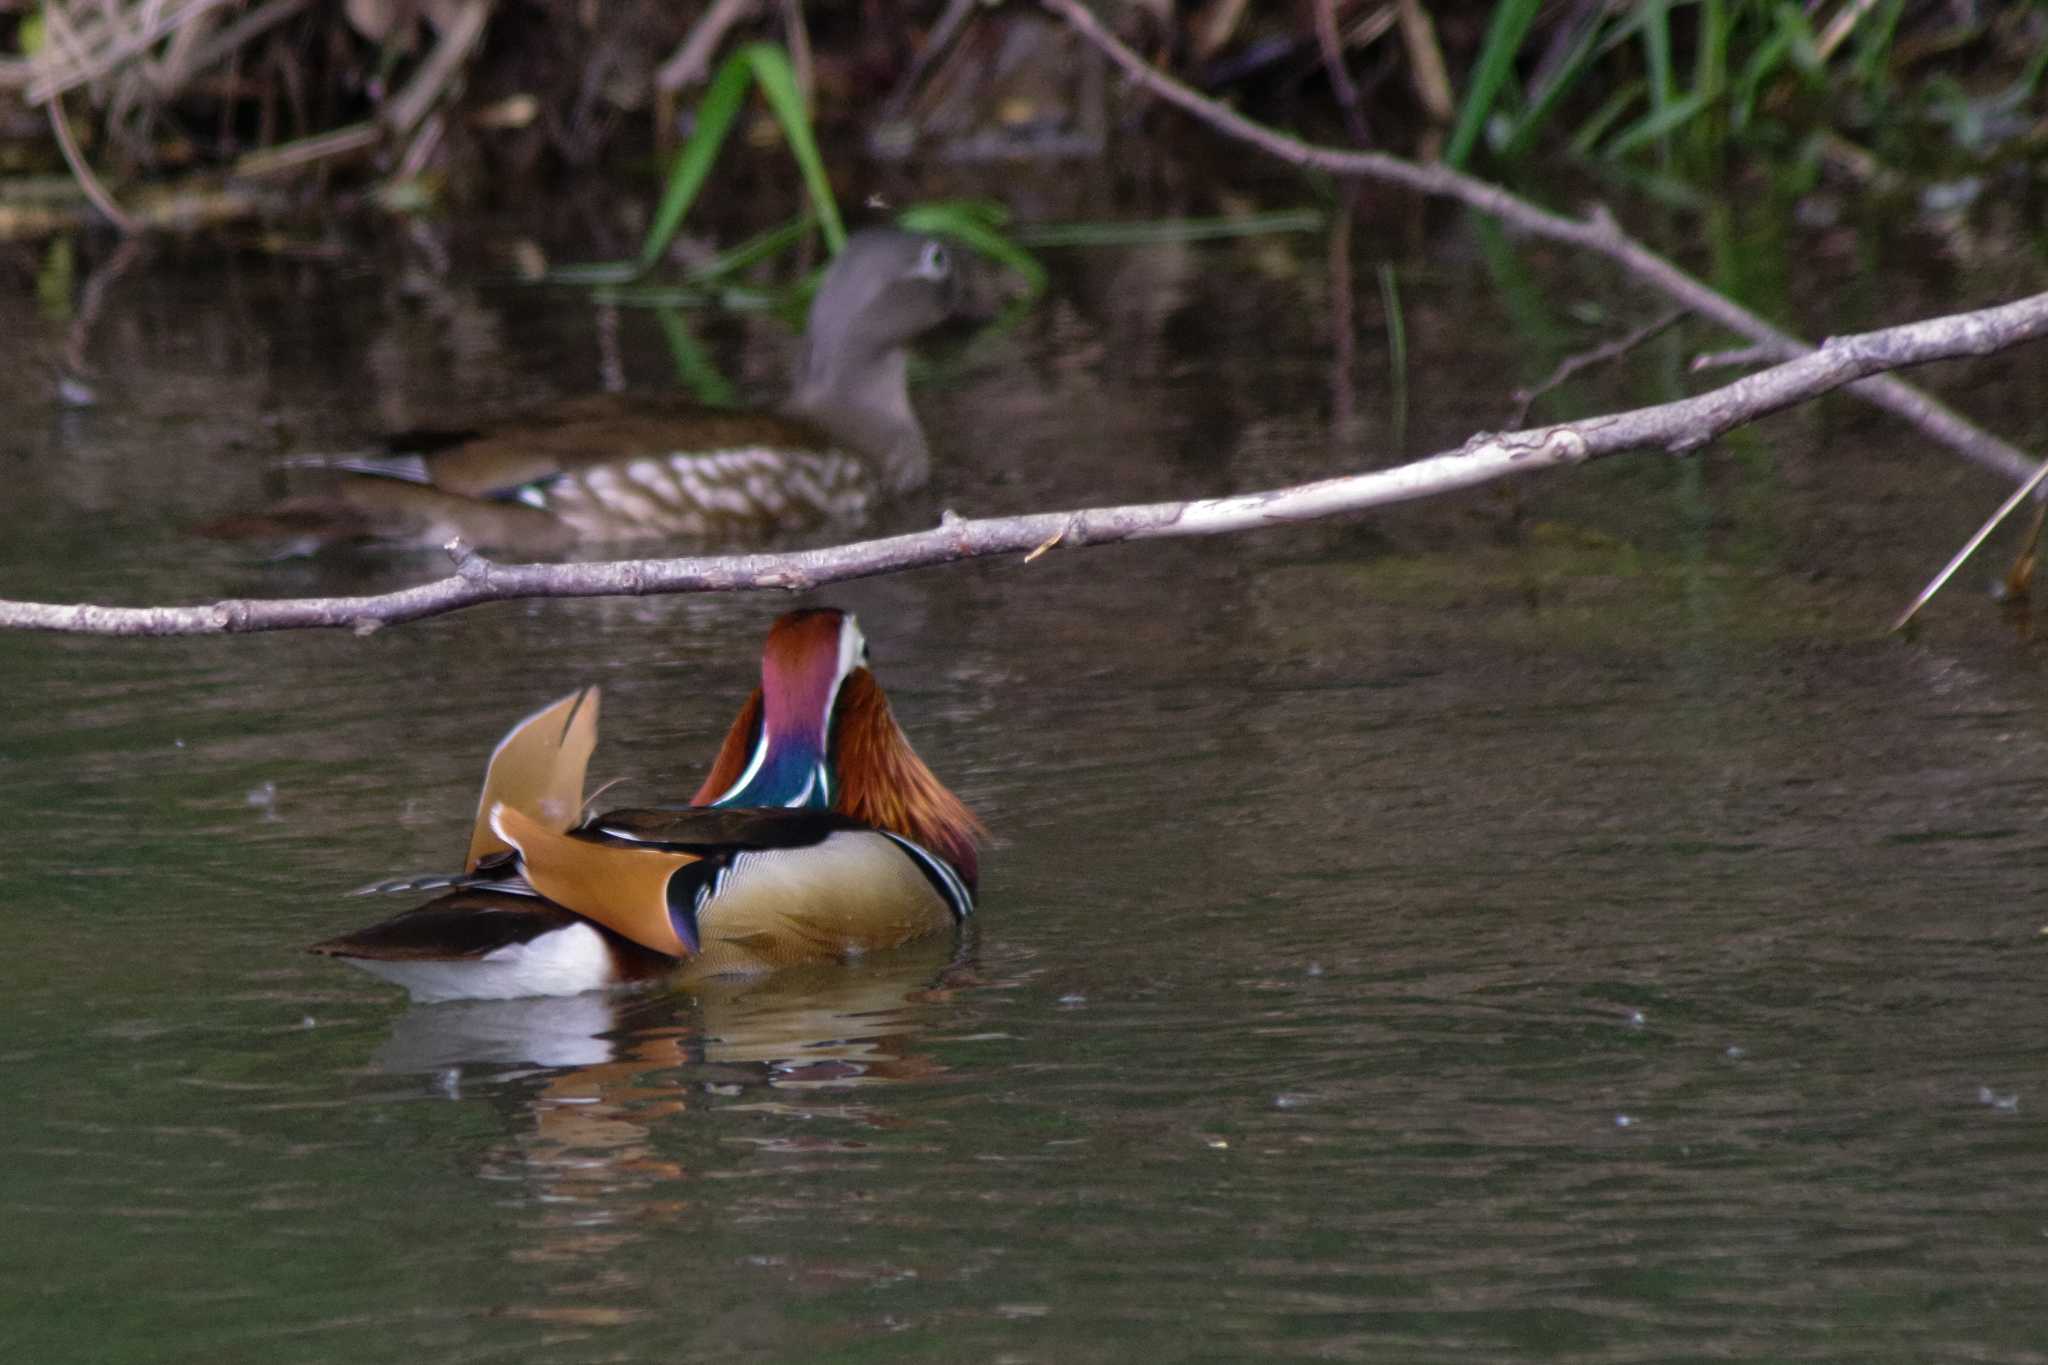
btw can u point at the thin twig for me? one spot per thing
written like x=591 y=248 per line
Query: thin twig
x=1597 y=232
x=1332 y=44
x=1679 y=427
x=404 y=110
x=239 y=34
x=292 y=156
x=2019 y=495
x=797 y=37
x=1215 y=26
x=1742 y=357
x=1426 y=70
x=1598 y=355
x=690 y=64
x=934 y=47
x=55 y=78
x=82 y=172
x=1842 y=25
x=92 y=298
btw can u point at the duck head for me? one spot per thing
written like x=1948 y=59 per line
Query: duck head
x=785 y=754
x=887 y=288
x=818 y=733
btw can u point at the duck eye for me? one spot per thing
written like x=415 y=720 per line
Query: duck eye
x=935 y=263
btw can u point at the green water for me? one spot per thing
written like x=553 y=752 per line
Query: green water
x=1395 y=944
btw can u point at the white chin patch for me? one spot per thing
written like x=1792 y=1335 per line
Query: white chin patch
x=564 y=962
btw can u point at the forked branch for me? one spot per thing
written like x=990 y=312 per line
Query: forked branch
x=1679 y=427
x=1597 y=232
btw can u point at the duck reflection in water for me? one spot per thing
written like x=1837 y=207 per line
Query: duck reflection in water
x=594 y=1086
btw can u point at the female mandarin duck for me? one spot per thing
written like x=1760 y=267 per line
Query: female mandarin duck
x=616 y=467
x=819 y=835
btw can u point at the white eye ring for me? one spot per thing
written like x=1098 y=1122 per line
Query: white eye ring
x=935 y=263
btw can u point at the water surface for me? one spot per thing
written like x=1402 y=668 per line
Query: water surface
x=1557 y=930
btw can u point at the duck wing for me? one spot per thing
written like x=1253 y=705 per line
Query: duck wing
x=485 y=943
x=741 y=890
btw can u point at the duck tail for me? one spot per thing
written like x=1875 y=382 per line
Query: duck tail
x=537 y=769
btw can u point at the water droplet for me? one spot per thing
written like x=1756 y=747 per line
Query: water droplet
x=1623 y=1121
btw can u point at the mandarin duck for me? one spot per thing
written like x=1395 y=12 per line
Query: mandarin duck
x=819 y=835
x=615 y=467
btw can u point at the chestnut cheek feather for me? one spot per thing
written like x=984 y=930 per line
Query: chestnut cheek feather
x=885 y=784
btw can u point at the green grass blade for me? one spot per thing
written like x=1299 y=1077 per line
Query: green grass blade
x=754 y=250
x=990 y=213
x=1657 y=52
x=1770 y=54
x=1802 y=45
x=1397 y=356
x=1875 y=41
x=652 y=296
x=1496 y=67
x=1651 y=186
x=596 y=272
x=777 y=79
x=693 y=363
x=1605 y=117
x=1160 y=230
x=1710 y=55
x=686 y=176
x=1592 y=42
x=761 y=64
x=1656 y=124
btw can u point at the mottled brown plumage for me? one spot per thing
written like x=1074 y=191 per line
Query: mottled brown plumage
x=624 y=467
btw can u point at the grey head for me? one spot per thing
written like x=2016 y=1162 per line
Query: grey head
x=887 y=288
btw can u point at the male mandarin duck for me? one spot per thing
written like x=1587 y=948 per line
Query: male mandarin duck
x=632 y=467
x=819 y=835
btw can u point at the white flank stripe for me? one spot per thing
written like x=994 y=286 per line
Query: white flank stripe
x=563 y=962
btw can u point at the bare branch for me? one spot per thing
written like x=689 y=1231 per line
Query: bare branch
x=105 y=50
x=1679 y=427
x=404 y=110
x=1597 y=232
x=691 y=63
x=82 y=171
x=1598 y=355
